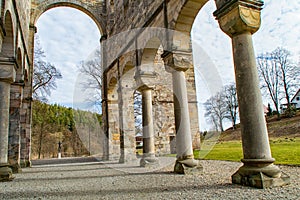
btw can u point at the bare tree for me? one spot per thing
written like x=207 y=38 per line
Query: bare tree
x=231 y=101
x=216 y=110
x=279 y=75
x=289 y=72
x=93 y=70
x=45 y=74
x=269 y=76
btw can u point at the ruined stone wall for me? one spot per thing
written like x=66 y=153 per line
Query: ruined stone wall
x=125 y=18
x=113 y=18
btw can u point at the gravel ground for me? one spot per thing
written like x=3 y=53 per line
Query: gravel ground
x=108 y=180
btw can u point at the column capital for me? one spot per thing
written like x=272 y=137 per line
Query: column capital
x=145 y=80
x=8 y=69
x=239 y=16
x=177 y=60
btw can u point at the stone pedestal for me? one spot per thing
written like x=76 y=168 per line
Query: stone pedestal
x=176 y=63
x=149 y=158
x=240 y=19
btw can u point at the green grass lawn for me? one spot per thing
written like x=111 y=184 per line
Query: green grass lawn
x=285 y=151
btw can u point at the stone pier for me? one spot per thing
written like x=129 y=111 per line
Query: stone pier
x=175 y=64
x=148 y=129
x=239 y=20
x=14 y=147
x=7 y=76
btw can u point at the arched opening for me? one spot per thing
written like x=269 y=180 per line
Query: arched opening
x=8 y=50
x=63 y=35
x=154 y=75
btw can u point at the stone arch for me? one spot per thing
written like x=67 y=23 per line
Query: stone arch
x=8 y=48
x=87 y=8
x=149 y=54
x=20 y=70
x=183 y=22
x=127 y=63
x=112 y=82
x=153 y=37
x=186 y=15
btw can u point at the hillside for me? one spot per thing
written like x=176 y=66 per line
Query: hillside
x=284 y=128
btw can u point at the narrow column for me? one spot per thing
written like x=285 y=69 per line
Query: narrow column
x=175 y=63
x=148 y=129
x=5 y=171
x=240 y=21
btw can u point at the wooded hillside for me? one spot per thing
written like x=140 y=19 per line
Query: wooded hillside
x=78 y=131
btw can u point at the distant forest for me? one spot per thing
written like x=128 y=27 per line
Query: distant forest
x=79 y=132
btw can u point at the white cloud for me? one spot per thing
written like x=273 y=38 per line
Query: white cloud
x=67 y=36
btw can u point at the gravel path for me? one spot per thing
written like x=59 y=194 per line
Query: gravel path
x=107 y=180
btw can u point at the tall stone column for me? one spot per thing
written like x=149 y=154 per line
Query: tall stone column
x=240 y=19
x=7 y=76
x=177 y=63
x=148 y=158
x=16 y=94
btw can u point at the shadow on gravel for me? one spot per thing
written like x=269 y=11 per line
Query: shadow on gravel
x=108 y=192
x=56 y=161
x=54 y=170
x=81 y=177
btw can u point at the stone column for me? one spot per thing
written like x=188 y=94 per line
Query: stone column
x=240 y=20
x=7 y=76
x=176 y=63
x=149 y=158
x=16 y=94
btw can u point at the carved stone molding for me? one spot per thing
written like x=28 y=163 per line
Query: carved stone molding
x=239 y=17
x=177 y=60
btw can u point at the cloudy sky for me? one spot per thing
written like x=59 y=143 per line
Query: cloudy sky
x=68 y=36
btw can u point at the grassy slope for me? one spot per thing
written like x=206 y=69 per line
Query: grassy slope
x=287 y=128
x=284 y=140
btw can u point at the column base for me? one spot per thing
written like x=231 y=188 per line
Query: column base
x=188 y=166
x=25 y=163
x=260 y=173
x=149 y=161
x=127 y=159
x=5 y=173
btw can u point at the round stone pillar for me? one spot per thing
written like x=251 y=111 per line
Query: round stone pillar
x=177 y=63
x=240 y=20
x=148 y=129
x=5 y=171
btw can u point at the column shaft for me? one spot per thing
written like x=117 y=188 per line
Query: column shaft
x=5 y=171
x=148 y=129
x=253 y=126
x=149 y=158
x=182 y=120
x=4 y=120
